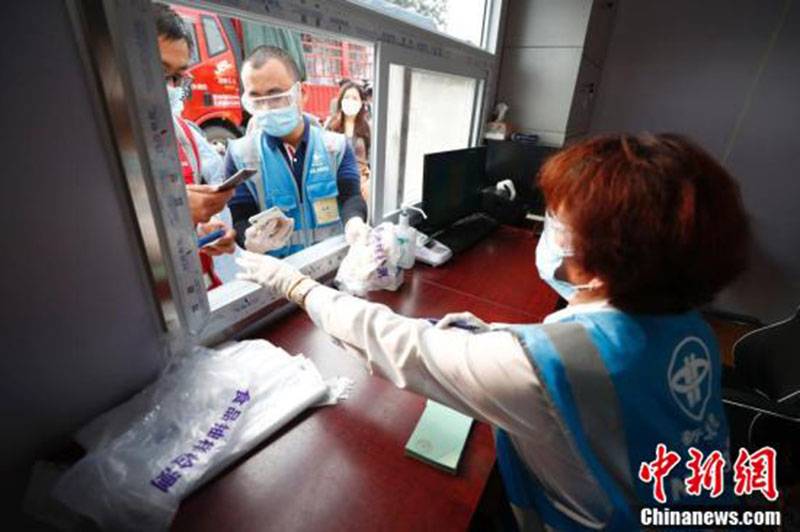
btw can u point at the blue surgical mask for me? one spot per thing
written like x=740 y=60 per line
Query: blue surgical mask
x=550 y=256
x=279 y=122
x=176 y=95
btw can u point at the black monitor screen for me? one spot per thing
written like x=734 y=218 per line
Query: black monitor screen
x=520 y=162
x=451 y=185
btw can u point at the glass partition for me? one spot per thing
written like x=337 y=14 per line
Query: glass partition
x=427 y=112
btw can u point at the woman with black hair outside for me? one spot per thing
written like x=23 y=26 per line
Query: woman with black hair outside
x=351 y=119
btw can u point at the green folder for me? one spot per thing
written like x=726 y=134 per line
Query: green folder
x=439 y=437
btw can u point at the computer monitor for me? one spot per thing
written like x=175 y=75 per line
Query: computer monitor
x=520 y=162
x=451 y=185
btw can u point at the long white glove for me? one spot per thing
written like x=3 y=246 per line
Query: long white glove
x=355 y=229
x=277 y=276
x=270 y=230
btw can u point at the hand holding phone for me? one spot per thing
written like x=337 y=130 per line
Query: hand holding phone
x=205 y=201
x=210 y=238
x=215 y=238
x=236 y=179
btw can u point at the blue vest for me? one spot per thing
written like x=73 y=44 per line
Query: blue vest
x=621 y=384
x=313 y=206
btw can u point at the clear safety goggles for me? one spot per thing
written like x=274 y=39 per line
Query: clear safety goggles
x=557 y=233
x=264 y=104
x=182 y=82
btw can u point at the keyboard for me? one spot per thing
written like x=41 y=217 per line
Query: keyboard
x=466 y=232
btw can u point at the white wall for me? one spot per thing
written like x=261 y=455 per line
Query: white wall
x=708 y=70
x=541 y=55
x=553 y=54
x=80 y=331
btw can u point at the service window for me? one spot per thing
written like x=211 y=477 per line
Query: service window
x=429 y=96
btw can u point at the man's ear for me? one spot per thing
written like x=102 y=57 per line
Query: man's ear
x=303 y=95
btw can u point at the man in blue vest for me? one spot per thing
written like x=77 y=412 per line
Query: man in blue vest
x=309 y=173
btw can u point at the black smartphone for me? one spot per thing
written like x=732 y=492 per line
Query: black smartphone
x=236 y=179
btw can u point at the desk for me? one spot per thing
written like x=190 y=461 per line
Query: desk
x=344 y=467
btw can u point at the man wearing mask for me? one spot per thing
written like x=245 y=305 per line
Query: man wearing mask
x=308 y=173
x=200 y=163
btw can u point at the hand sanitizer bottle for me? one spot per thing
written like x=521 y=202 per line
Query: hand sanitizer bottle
x=407 y=238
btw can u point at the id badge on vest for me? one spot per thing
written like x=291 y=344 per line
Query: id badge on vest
x=326 y=210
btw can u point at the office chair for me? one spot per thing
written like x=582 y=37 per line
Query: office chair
x=762 y=395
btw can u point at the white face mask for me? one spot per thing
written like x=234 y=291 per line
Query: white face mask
x=279 y=122
x=351 y=107
x=553 y=248
x=176 y=95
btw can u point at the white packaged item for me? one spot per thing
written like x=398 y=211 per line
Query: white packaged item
x=269 y=230
x=372 y=263
x=205 y=411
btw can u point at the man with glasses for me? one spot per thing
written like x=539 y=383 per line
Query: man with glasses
x=308 y=173
x=200 y=162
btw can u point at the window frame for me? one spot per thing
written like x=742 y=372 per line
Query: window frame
x=194 y=54
x=125 y=63
x=492 y=11
x=387 y=55
x=215 y=23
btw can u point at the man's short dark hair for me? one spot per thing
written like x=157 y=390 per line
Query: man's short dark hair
x=260 y=55
x=170 y=25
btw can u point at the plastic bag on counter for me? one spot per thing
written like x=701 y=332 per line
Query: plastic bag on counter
x=204 y=412
x=372 y=263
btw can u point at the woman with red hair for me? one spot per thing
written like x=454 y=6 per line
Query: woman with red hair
x=640 y=231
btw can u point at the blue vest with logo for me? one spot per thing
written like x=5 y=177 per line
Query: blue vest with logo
x=621 y=384
x=314 y=205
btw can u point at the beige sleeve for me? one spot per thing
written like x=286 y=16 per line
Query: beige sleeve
x=487 y=375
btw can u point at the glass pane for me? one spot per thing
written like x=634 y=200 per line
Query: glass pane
x=324 y=62
x=194 y=53
x=460 y=19
x=438 y=109
x=214 y=41
x=194 y=56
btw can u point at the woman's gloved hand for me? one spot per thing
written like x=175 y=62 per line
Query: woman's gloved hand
x=276 y=275
x=463 y=320
x=355 y=229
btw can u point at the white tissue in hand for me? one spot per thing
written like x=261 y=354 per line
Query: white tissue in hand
x=269 y=230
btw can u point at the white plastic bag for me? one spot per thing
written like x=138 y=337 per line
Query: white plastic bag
x=372 y=263
x=203 y=413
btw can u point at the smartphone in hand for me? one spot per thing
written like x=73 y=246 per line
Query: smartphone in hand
x=236 y=179
x=210 y=238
